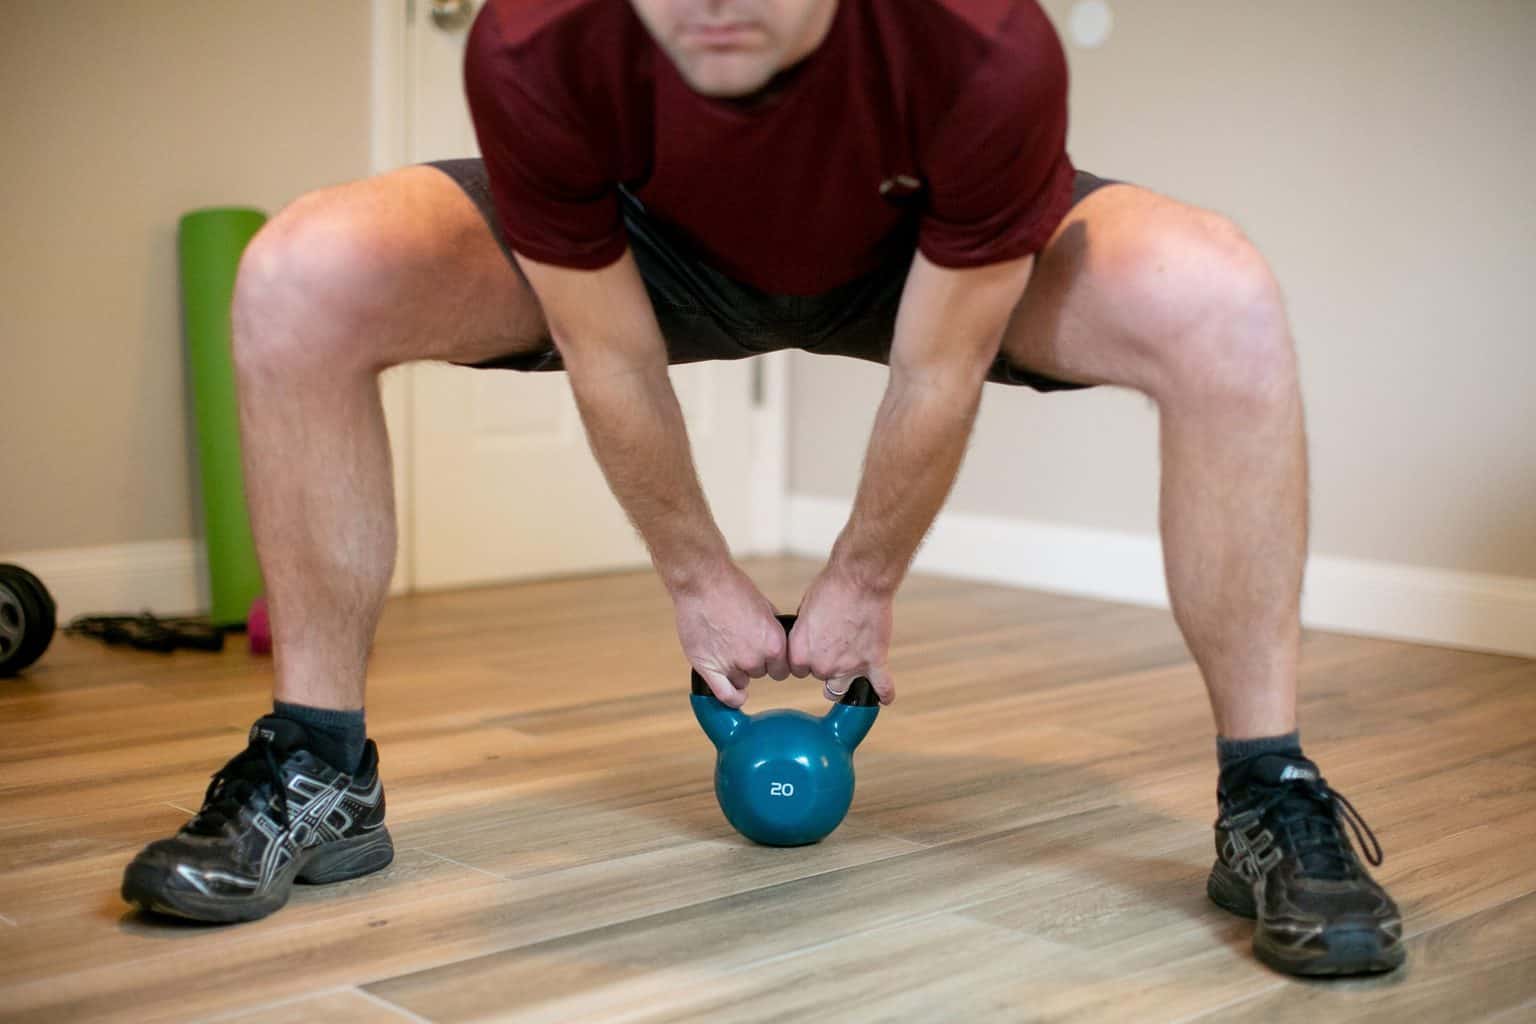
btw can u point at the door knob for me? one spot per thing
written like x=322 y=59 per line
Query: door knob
x=452 y=15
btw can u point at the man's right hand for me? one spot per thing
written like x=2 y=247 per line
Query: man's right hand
x=729 y=633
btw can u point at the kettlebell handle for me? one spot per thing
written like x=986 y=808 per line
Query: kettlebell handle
x=860 y=693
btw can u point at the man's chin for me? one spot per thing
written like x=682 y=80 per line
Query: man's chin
x=727 y=77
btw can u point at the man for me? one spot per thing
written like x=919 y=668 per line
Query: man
x=694 y=179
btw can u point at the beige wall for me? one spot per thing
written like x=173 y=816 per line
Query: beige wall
x=1379 y=151
x=117 y=118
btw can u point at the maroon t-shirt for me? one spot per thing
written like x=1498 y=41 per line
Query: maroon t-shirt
x=949 y=113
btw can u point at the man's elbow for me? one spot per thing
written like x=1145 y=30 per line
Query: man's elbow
x=954 y=381
x=590 y=355
x=957 y=369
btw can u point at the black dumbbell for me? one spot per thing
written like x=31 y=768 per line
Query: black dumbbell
x=27 y=615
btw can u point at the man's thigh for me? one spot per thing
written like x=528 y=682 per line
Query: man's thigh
x=418 y=265
x=1122 y=279
x=705 y=315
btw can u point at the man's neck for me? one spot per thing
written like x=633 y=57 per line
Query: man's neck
x=773 y=90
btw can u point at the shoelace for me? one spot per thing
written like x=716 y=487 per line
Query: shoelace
x=231 y=786
x=1308 y=815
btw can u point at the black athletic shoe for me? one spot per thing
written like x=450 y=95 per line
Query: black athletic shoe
x=274 y=814
x=1282 y=856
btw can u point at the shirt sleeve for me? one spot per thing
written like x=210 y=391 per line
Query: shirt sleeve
x=554 y=193
x=998 y=175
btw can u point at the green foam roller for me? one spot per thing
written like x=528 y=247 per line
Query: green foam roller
x=210 y=243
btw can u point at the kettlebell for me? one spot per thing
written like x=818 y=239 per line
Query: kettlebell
x=783 y=777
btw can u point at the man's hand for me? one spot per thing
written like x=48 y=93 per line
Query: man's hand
x=843 y=631
x=729 y=633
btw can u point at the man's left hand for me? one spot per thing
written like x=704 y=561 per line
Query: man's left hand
x=843 y=631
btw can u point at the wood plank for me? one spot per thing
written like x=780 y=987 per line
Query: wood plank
x=387 y=924
x=346 y=1006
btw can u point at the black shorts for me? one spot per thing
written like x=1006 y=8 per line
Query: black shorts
x=705 y=315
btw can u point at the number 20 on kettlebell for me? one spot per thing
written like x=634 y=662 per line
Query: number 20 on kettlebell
x=785 y=778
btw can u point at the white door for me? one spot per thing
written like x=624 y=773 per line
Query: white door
x=501 y=482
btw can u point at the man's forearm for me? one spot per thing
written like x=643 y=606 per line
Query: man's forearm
x=915 y=450
x=636 y=429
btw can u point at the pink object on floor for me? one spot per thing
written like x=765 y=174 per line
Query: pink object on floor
x=258 y=628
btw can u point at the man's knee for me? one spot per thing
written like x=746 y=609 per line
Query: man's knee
x=308 y=286
x=1206 y=311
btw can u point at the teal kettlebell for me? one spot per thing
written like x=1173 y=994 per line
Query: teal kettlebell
x=785 y=778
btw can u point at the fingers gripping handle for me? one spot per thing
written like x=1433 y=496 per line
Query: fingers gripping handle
x=860 y=693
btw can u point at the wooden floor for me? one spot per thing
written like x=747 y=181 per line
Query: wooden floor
x=1029 y=840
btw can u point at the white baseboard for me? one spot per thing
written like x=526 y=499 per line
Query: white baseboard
x=1433 y=606
x=165 y=577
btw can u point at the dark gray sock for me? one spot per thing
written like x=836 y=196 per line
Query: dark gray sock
x=1229 y=752
x=338 y=736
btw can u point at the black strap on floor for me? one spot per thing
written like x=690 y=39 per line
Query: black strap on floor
x=146 y=632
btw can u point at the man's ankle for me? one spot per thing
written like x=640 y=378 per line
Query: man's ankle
x=338 y=736
x=1230 y=752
